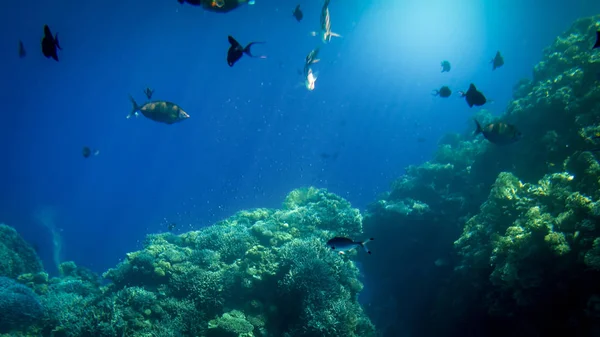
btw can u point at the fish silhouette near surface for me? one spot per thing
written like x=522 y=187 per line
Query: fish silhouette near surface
x=473 y=96
x=499 y=133
x=149 y=92
x=445 y=66
x=236 y=51
x=297 y=13
x=443 y=92
x=597 y=44
x=22 y=52
x=159 y=111
x=86 y=152
x=342 y=244
x=50 y=44
x=497 y=61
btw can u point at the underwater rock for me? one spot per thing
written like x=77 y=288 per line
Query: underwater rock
x=16 y=256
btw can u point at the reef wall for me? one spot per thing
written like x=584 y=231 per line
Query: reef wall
x=490 y=240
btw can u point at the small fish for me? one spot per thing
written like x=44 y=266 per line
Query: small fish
x=443 y=92
x=445 y=66
x=22 y=52
x=497 y=61
x=191 y=2
x=87 y=152
x=342 y=245
x=326 y=156
x=297 y=13
x=172 y=226
x=50 y=43
x=311 y=59
x=597 y=44
x=499 y=133
x=149 y=92
x=236 y=51
x=326 y=24
x=311 y=79
x=159 y=111
x=473 y=96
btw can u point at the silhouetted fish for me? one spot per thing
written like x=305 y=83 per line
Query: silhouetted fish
x=497 y=61
x=22 y=52
x=597 y=44
x=473 y=96
x=298 y=13
x=87 y=152
x=50 y=43
x=445 y=66
x=148 y=92
x=236 y=51
x=443 y=92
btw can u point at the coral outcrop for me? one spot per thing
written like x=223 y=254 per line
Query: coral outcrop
x=16 y=256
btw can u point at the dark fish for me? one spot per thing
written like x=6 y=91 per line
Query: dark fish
x=445 y=66
x=87 y=152
x=298 y=13
x=443 y=92
x=191 y=2
x=597 y=44
x=497 y=61
x=342 y=245
x=473 y=96
x=50 y=43
x=332 y=156
x=22 y=52
x=499 y=133
x=311 y=59
x=172 y=226
x=236 y=51
x=148 y=92
x=159 y=111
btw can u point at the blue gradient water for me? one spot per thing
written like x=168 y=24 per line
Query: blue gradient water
x=255 y=132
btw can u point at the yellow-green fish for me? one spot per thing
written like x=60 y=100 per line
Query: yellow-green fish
x=159 y=111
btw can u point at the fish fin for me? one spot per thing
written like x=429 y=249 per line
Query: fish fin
x=47 y=31
x=479 y=129
x=597 y=44
x=135 y=108
x=232 y=41
x=56 y=41
x=248 y=52
x=364 y=245
x=313 y=33
x=334 y=34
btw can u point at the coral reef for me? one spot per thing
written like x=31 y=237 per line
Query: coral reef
x=512 y=229
x=16 y=256
x=261 y=272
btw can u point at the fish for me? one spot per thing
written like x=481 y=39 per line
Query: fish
x=191 y=2
x=597 y=44
x=159 y=111
x=310 y=81
x=497 y=61
x=326 y=24
x=342 y=244
x=149 y=92
x=236 y=51
x=499 y=133
x=445 y=66
x=50 y=44
x=87 y=152
x=473 y=96
x=297 y=13
x=172 y=226
x=311 y=59
x=22 y=52
x=443 y=92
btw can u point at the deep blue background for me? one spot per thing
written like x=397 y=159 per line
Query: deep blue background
x=255 y=132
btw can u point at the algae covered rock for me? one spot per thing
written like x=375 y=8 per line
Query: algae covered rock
x=16 y=256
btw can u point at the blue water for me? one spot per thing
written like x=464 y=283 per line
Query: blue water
x=255 y=132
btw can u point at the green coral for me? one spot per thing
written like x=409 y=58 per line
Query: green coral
x=16 y=256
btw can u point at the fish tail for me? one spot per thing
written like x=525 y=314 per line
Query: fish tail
x=364 y=245
x=334 y=34
x=479 y=129
x=135 y=108
x=56 y=41
x=248 y=52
